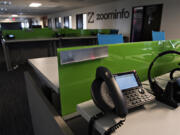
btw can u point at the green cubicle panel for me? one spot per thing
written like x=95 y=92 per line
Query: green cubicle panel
x=49 y=33
x=30 y=34
x=87 y=33
x=75 y=79
x=104 y=31
x=77 y=32
x=69 y=32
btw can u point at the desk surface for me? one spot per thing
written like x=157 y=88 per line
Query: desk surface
x=154 y=118
x=49 y=39
x=47 y=68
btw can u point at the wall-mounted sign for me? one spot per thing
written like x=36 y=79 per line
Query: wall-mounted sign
x=112 y=15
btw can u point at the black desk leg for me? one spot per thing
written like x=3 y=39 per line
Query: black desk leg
x=6 y=56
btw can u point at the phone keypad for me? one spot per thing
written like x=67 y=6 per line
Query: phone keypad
x=137 y=97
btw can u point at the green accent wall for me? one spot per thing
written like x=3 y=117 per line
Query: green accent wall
x=75 y=79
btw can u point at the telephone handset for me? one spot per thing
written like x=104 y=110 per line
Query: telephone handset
x=111 y=96
x=117 y=93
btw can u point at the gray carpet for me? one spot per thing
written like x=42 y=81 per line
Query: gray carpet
x=14 y=112
x=15 y=116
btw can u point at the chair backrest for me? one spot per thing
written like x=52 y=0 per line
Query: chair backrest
x=110 y=39
x=157 y=35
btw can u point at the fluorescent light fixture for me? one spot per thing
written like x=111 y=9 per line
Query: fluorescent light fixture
x=14 y=15
x=35 y=5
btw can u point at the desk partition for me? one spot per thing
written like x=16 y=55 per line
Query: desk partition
x=110 y=39
x=157 y=35
x=30 y=34
x=75 y=79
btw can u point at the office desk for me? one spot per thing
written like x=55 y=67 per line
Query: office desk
x=7 y=43
x=154 y=118
x=47 y=69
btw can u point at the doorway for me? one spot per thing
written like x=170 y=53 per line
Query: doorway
x=145 y=19
x=66 y=22
x=79 y=21
x=49 y=23
x=58 y=22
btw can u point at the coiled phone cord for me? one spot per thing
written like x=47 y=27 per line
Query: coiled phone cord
x=114 y=127
x=92 y=120
x=110 y=130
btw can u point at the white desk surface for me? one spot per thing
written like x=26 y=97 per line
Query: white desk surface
x=47 y=68
x=154 y=118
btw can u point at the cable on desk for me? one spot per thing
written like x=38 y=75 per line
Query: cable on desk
x=110 y=130
x=114 y=127
x=92 y=120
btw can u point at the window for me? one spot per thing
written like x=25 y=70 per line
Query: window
x=25 y=24
x=58 y=22
x=84 y=21
x=81 y=21
x=68 y=22
x=49 y=23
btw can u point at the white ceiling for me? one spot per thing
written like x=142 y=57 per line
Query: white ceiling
x=48 y=6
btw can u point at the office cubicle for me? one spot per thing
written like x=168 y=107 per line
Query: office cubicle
x=121 y=58
x=75 y=78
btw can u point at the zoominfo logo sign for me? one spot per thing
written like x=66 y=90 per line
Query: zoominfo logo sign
x=116 y=14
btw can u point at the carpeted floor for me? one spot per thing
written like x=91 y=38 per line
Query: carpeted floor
x=15 y=117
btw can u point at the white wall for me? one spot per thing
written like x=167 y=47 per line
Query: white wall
x=170 y=17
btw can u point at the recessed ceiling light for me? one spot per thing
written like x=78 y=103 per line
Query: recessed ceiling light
x=35 y=5
x=14 y=15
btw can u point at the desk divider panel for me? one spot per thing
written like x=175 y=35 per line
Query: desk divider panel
x=75 y=79
x=30 y=34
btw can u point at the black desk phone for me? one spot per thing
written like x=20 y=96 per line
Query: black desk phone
x=117 y=93
x=132 y=89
